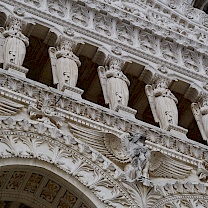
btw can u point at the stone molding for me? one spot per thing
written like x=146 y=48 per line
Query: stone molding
x=34 y=140
x=92 y=115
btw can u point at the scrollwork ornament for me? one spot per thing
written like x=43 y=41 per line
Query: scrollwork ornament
x=20 y=11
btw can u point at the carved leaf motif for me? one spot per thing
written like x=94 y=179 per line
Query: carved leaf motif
x=32 y=144
x=148 y=42
x=125 y=33
x=31 y=91
x=15 y=85
x=135 y=194
x=80 y=15
x=191 y=59
x=58 y=154
x=57 y=7
x=10 y=141
x=103 y=24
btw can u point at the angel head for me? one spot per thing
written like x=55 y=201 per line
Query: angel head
x=115 y=64
x=66 y=44
x=161 y=83
x=15 y=24
x=137 y=137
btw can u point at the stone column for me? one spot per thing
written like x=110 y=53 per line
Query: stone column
x=65 y=66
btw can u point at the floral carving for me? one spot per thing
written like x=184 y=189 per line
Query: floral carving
x=80 y=15
x=33 y=183
x=57 y=7
x=50 y=191
x=68 y=200
x=16 y=180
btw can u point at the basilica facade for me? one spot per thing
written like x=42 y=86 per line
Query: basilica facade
x=103 y=103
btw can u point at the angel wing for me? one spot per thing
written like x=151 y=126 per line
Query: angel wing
x=198 y=117
x=103 y=82
x=8 y=107
x=53 y=59
x=107 y=144
x=2 y=40
x=151 y=99
x=164 y=166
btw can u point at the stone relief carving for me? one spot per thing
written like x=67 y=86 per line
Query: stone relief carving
x=169 y=50
x=64 y=63
x=9 y=107
x=191 y=59
x=44 y=111
x=36 y=3
x=200 y=112
x=164 y=166
x=85 y=165
x=80 y=15
x=57 y=7
x=15 y=43
x=147 y=42
x=105 y=143
x=125 y=33
x=162 y=103
x=103 y=24
x=114 y=83
x=140 y=156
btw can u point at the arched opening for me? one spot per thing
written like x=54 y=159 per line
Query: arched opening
x=28 y=186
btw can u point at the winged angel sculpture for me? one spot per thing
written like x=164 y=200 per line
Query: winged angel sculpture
x=13 y=43
x=200 y=112
x=162 y=103
x=114 y=84
x=64 y=64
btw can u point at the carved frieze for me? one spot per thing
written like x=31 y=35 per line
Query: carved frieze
x=147 y=42
x=103 y=24
x=57 y=7
x=80 y=14
x=169 y=50
x=191 y=59
x=125 y=33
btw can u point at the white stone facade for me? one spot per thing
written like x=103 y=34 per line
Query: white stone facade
x=58 y=149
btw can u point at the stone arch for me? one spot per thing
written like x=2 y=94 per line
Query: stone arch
x=42 y=185
x=37 y=144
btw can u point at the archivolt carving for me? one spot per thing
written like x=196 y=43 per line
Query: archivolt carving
x=39 y=142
